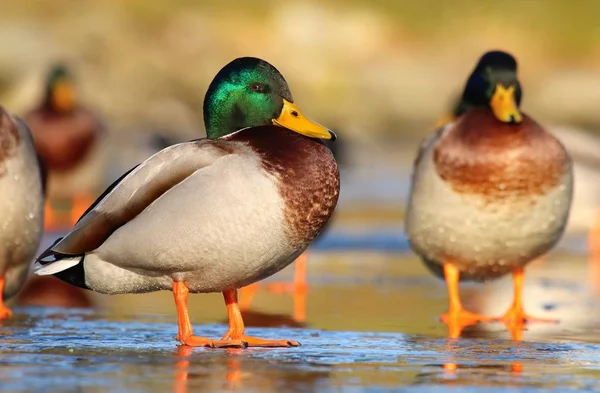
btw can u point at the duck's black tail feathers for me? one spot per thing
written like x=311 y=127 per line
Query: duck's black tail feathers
x=68 y=268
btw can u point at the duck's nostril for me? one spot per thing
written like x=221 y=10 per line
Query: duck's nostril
x=294 y=113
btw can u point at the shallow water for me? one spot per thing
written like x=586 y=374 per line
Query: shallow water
x=367 y=323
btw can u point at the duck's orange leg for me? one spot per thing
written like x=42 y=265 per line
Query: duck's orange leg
x=5 y=312
x=299 y=283
x=299 y=299
x=236 y=326
x=516 y=314
x=300 y=272
x=185 y=333
x=457 y=317
x=247 y=293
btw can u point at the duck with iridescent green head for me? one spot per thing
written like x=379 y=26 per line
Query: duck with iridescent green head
x=214 y=214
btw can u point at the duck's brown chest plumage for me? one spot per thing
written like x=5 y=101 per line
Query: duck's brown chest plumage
x=307 y=174
x=496 y=160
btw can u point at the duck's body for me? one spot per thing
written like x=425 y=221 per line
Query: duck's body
x=203 y=230
x=488 y=202
x=21 y=205
x=211 y=215
x=491 y=191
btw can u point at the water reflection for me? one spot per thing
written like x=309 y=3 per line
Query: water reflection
x=236 y=370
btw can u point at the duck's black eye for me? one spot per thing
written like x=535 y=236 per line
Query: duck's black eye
x=258 y=87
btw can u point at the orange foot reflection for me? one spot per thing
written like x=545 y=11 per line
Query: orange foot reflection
x=181 y=369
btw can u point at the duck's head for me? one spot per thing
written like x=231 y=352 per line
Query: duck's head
x=494 y=84
x=249 y=92
x=60 y=96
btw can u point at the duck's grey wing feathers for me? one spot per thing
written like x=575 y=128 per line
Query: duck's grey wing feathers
x=135 y=191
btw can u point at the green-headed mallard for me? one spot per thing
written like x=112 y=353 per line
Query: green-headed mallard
x=211 y=215
x=490 y=191
x=21 y=206
x=67 y=138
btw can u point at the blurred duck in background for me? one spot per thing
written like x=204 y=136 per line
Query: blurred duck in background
x=21 y=206
x=490 y=191
x=67 y=137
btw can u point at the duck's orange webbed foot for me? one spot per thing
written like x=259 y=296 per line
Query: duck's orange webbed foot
x=516 y=314
x=195 y=341
x=186 y=332
x=458 y=320
x=464 y=317
x=259 y=342
x=236 y=326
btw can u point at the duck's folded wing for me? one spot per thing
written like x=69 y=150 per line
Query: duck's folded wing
x=134 y=191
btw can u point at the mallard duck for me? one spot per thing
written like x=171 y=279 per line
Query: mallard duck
x=21 y=206
x=213 y=214
x=490 y=191
x=67 y=137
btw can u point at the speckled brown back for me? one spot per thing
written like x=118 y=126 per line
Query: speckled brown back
x=483 y=156
x=309 y=180
x=9 y=139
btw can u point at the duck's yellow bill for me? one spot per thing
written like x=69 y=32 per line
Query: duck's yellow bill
x=63 y=97
x=292 y=119
x=504 y=105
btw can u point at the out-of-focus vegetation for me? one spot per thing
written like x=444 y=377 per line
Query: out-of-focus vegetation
x=380 y=67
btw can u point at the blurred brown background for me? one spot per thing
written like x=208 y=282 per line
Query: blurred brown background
x=374 y=69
